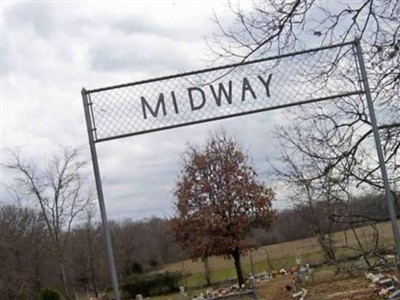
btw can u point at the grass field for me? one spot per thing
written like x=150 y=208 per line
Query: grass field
x=326 y=284
x=277 y=256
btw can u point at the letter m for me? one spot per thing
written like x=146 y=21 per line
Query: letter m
x=146 y=107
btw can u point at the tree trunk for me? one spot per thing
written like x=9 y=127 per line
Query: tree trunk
x=36 y=284
x=64 y=280
x=91 y=261
x=327 y=246
x=207 y=271
x=238 y=266
x=93 y=277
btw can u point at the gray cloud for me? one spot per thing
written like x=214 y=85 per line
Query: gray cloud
x=138 y=25
x=51 y=50
x=118 y=55
x=37 y=17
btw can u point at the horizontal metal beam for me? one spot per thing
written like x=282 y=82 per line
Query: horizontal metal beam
x=219 y=68
x=232 y=115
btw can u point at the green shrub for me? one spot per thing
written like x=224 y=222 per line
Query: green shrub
x=133 y=267
x=151 y=284
x=49 y=294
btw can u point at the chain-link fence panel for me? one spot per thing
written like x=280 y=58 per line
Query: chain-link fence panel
x=223 y=92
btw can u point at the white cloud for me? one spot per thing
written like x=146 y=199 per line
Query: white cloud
x=51 y=50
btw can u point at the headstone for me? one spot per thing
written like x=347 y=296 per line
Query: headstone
x=363 y=263
x=251 y=281
x=394 y=296
x=300 y=295
x=376 y=278
x=104 y=297
x=301 y=277
x=387 y=283
x=283 y=271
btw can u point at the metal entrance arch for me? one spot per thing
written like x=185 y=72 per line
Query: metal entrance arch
x=314 y=75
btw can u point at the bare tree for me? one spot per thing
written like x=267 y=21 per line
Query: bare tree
x=86 y=251
x=219 y=201
x=90 y=229
x=315 y=196
x=60 y=190
x=143 y=245
x=331 y=140
x=338 y=134
x=22 y=234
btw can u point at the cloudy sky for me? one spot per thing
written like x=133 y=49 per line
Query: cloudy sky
x=50 y=50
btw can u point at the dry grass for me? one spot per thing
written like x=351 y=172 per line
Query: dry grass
x=280 y=255
x=326 y=285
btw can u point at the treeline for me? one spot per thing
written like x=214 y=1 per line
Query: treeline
x=298 y=222
x=28 y=260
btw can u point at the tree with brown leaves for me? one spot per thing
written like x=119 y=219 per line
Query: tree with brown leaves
x=219 y=201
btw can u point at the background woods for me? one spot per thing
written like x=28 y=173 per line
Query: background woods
x=28 y=262
x=30 y=258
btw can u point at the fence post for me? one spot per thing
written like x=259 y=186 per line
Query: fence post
x=375 y=129
x=96 y=170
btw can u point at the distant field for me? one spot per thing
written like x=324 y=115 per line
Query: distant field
x=278 y=255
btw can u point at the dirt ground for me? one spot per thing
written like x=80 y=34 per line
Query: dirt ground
x=335 y=289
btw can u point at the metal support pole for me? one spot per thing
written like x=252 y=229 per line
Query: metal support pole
x=389 y=195
x=106 y=228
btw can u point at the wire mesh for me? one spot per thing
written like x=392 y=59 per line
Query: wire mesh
x=223 y=92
